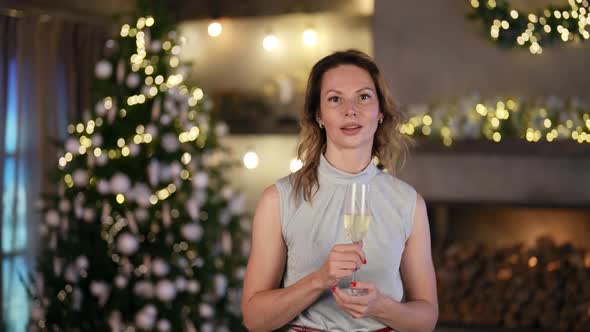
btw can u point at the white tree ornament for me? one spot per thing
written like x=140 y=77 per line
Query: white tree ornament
x=103 y=69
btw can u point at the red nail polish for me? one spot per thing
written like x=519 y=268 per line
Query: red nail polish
x=353 y=284
x=333 y=288
x=364 y=261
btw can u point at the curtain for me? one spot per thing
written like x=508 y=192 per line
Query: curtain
x=46 y=69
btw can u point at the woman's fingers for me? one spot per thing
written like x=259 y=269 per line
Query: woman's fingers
x=344 y=301
x=346 y=257
x=342 y=260
x=351 y=249
x=342 y=269
x=365 y=285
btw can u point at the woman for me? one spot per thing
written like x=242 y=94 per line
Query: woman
x=300 y=256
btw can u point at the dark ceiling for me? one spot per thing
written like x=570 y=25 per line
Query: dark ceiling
x=103 y=11
x=192 y=9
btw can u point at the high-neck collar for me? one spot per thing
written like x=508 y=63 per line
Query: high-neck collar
x=329 y=173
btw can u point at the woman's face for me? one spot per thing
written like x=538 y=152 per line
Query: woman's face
x=349 y=107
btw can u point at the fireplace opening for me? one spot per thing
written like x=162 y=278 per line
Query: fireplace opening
x=512 y=267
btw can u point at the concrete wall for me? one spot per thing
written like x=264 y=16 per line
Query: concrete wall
x=275 y=153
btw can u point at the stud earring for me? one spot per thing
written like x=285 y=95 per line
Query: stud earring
x=380 y=120
x=319 y=122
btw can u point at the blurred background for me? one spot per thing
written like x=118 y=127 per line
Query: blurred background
x=497 y=100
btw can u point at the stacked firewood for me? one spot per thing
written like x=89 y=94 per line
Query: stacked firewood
x=542 y=286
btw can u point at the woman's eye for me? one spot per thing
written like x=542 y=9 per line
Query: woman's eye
x=334 y=99
x=365 y=96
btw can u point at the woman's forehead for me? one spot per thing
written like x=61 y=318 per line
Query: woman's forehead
x=346 y=78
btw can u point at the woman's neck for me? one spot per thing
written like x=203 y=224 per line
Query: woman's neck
x=348 y=160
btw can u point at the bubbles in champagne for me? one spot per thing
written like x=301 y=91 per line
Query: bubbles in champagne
x=356 y=226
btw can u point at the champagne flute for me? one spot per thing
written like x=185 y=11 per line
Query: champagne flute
x=357 y=217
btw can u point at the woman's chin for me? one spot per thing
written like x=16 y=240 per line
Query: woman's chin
x=354 y=143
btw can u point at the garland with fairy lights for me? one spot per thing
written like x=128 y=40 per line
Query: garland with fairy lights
x=471 y=118
x=512 y=28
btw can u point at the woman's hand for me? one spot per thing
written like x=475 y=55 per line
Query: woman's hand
x=342 y=260
x=359 y=306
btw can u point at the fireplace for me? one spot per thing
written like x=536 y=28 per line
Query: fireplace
x=510 y=227
x=513 y=267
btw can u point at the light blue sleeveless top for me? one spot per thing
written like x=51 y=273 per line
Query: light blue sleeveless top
x=311 y=230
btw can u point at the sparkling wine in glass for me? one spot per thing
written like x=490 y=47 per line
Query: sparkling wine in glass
x=357 y=218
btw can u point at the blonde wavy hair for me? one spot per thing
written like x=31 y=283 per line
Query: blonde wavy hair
x=389 y=145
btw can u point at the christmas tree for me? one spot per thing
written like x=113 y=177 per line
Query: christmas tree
x=144 y=232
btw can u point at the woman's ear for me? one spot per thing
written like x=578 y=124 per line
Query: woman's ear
x=318 y=119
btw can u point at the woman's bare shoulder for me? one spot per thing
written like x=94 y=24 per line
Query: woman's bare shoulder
x=270 y=195
x=268 y=208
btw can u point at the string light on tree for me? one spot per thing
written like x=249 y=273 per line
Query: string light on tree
x=198 y=94
x=125 y=30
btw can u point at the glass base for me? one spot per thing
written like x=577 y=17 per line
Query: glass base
x=355 y=291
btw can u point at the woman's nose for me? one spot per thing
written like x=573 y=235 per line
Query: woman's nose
x=351 y=109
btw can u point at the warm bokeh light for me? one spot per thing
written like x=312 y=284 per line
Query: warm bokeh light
x=295 y=165
x=214 y=29
x=251 y=160
x=310 y=37
x=120 y=198
x=270 y=43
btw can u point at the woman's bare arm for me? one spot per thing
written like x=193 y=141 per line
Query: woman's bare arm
x=420 y=311
x=264 y=306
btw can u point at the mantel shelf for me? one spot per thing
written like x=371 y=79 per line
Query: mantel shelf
x=559 y=149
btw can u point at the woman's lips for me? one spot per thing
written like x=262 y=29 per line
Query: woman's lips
x=351 y=131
